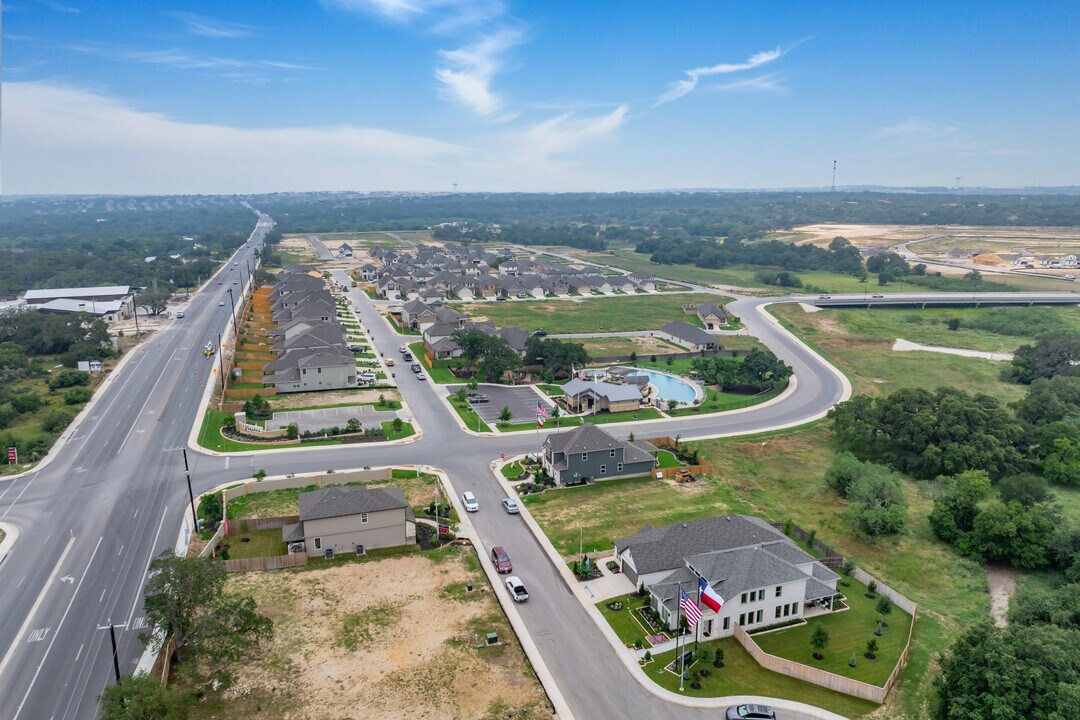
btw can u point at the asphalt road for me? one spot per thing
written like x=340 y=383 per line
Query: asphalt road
x=115 y=495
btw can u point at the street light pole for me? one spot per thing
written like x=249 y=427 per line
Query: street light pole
x=115 y=657
x=232 y=314
x=191 y=497
x=221 y=365
x=135 y=308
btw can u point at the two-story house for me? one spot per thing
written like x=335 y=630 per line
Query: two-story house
x=589 y=452
x=348 y=519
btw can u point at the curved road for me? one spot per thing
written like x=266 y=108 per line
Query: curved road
x=114 y=495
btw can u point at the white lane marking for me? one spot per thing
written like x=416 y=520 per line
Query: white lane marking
x=136 y=514
x=21 y=581
x=138 y=415
x=138 y=624
x=57 y=633
x=121 y=551
x=79 y=654
x=149 y=560
x=103 y=591
x=37 y=603
x=38 y=635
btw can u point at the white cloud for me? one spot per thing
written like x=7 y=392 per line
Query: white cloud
x=183 y=60
x=552 y=140
x=679 y=88
x=467 y=72
x=437 y=15
x=212 y=27
x=63 y=140
x=59 y=7
x=765 y=83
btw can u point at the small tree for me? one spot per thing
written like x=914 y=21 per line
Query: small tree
x=871 y=648
x=670 y=360
x=819 y=640
x=672 y=403
x=848 y=567
x=259 y=474
x=633 y=357
x=398 y=424
x=811 y=536
x=352 y=425
x=652 y=358
x=462 y=395
x=884 y=607
x=292 y=432
x=872 y=587
x=954 y=323
x=141 y=697
x=505 y=415
x=630 y=438
x=210 y=506
x=382 y=399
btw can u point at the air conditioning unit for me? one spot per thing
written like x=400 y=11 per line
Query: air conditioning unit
x=296 y=547
x=359 y=549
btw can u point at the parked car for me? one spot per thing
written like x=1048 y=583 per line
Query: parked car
x=750 y=712
x=416 y=368
x=407 y=357
x=367 y=377
x=823 y=296
x=470 y=502
x=1070 y=277
x=221 y=304
x=403 y=349
x=501 y=560
x=474 y=399
x=501 y=299
x=421 y=376
x=179 y=313
x=539 y=333
x=510 y=505
x=356 y=308
x=877 y=296
x=517 y=589
x=356 y=348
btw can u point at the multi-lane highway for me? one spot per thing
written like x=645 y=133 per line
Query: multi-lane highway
x=114 y=495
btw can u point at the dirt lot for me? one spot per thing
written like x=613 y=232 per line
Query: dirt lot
x=299 y=246
x=330 y=397
x=955 y=235
x=391 y=638
x=643 y=345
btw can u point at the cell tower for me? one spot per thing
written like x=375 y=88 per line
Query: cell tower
x=834 y=176
x=455 y=186
x=957 y=182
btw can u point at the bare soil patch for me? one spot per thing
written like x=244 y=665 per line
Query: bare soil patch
x=394 y=638
x=331 y=397
x=1002 y=582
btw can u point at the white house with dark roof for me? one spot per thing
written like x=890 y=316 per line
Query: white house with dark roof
x=762 y=575
x=345 y=250
x=587 y=451
x=683 y=333
x=597 y=396
x=343 y=518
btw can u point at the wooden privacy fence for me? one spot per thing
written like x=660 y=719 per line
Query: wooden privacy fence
x=251 y=524
x=306 y=479
x=702 y=469
x=214 y=540
x=275 y=562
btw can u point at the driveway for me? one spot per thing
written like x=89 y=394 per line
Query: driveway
x=521 y=401
x=329 y=417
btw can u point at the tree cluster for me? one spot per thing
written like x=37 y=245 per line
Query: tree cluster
x=1052 y=355
x=876 y=503
x=556 y=356
x=489 y=355
x=759 y=369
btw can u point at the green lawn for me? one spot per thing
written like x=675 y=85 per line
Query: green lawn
x=417 y=489
x=667 y=459
x=741 y=675
x=254 y=544
x=400 y=329
x=563 y=422
x=513 y=470
x=848 y=632
x=439 y=372
x=470 y=418
x=648 y=413
x=611 y=509
x=628 y=627
x=719 y=401
x=407 y=430
x=601 y=314
x=388 y=405
x=551 y=390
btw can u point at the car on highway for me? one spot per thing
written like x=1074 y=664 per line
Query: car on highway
x=235 y=282
x=390 y=362
x=877 y=296
x=510 y=505
x=470 y=502
x=403 y=349
x=421 y=376
x=750 y=712
x=221 y=304
x=501 y=560
x=476 y=399
x=517 y=589
x=823 y=296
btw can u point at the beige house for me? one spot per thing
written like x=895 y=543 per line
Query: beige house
x=352 y=519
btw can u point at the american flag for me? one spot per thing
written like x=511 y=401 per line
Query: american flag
x=690 y=609
x=540 y=409
x=539 y=420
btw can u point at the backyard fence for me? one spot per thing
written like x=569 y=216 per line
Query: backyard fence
x=832 y=681
x=214 y=540
x=668 y=473
x=830 y=558
x=252 y=524
x=275 y=562
x=306 y=479
x=610 y=359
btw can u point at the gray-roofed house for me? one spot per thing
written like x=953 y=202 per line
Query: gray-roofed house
x=589 y=452
x=597 y=396
x=686 y=334
x=345 y=250
x=763 y=577
x=344 y=518
x=713 y=316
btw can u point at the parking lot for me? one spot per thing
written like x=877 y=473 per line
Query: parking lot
x=520 y=400
x=329 y=417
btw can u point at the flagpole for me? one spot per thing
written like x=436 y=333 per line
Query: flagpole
x=697 y=628
x=678 y=637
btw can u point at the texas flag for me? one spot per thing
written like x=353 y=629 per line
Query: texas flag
x=709 y=597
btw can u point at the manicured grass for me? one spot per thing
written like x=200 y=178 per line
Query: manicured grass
x=388 y=405
x=647 y=413
x=719 y=401
x=875 y=369
x=470 y=418
x=611 y=509
x=439 y=372
x=611 y=314
x=667 y=459
x=417 y=489
x=741 y=675
x=513 y=470
x=623 y=622
x=254 y=544
x=398 y=327
x=551 y=390
x=407 y=430
x=210 y=436
x=563 y=422
x=848 y=632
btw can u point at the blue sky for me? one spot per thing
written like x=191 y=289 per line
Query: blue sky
x=245 y=96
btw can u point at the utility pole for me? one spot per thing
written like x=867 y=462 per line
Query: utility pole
x=232 y=314
x=191 y=497
x=135 y=307
x=834 y=176
x=221 y=364
x=115 y=657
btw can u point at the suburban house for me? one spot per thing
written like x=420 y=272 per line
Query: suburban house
x=344 y=250
x=597 y=396
x=713 y=316
x=368 y=272
x=763 y=577
x=345 y=519
x=109 y=302
x=590 y=452
x=684 y=333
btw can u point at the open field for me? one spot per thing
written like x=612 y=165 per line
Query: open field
x=860 y=342
x=359 y=635
x=358 y=240
x=643 y=345
x=598 y=314
x=331 y=398
x=884 y=235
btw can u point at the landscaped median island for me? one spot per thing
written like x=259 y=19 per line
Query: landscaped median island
x=218 y=432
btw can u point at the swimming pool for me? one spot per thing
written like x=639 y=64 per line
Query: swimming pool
x=669 y=387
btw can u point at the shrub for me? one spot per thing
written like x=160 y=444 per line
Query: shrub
x=872 y=587
x=26 y=403
x=77 y=396
x=292 y=432
x=56 y=420
x=210 y=506
x=68 y=378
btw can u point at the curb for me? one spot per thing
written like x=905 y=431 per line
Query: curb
x=11 y=534
x=629 y=660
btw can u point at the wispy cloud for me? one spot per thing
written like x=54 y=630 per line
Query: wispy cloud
x=65 y=140
x=59 y=6
x=771 y=83
x=919 y=135
x=181 y=59
x=212 y=27
x=436 y=15
x=563 y=134
x=466 y=73
x=680 y=88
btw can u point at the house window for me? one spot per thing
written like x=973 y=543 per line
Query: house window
x=794 y=608
x=363 y=518
x=778 y=610
x=779 y=590
x=758 y=616
x=618 y=468
x=727 y=623
x=318 y=543
x=760 y=594
x=612 y=452
x=742 y=618
x=603 y=469
x=743 y=601
x=584 y=457
x=787 y=610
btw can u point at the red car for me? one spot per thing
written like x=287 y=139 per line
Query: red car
x=501 y=560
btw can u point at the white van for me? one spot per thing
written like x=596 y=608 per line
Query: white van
x=179 y=313
x=368 y=377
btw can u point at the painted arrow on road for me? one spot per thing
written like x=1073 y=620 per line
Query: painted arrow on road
x=67 y=579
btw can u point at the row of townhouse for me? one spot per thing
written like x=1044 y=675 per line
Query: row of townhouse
x=433 y=274
x=438 y=323
x=311 y=345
